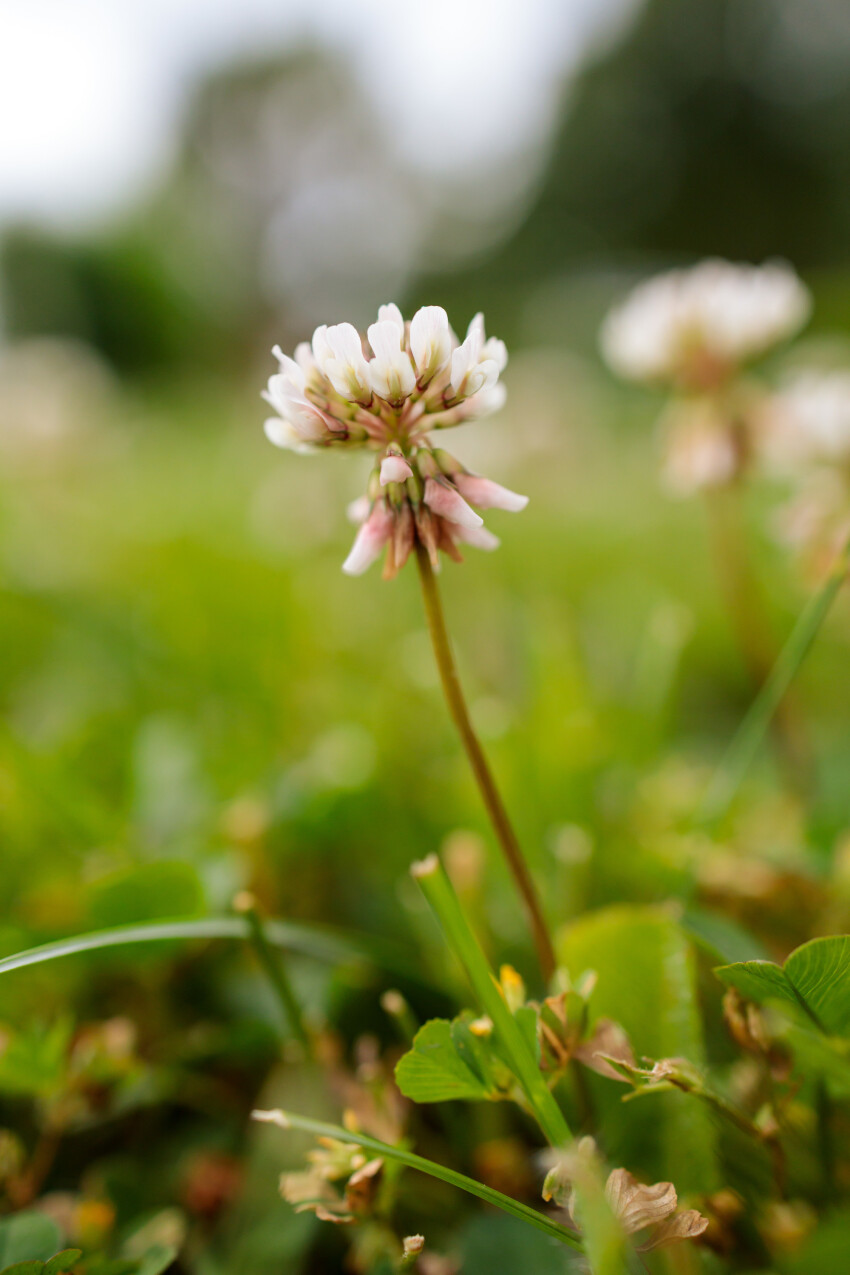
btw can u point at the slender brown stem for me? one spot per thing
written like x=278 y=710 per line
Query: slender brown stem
x=747 y=615
x=480 y=767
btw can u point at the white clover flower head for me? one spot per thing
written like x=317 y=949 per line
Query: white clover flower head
x=387 y=394
x=695 y=328
x=810 y=421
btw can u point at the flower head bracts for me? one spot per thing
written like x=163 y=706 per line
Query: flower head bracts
x=387 y=394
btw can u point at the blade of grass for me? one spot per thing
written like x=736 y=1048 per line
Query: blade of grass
x=287 y=1120
x=439 y=892
x=748 y=738
x=315 y=941
x=275 y=968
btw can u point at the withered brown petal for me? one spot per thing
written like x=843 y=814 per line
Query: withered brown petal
x=686 y=1225
x=636 y=1204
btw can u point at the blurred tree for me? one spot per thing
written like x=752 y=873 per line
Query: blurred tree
x=712 y=127
x=284 y=206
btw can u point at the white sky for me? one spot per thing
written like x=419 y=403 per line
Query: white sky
x=91 y=90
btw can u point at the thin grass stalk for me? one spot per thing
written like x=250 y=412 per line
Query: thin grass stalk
x=750 y=734
x=289 y=1120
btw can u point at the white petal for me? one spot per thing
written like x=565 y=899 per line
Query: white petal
x=322 y=351
x=493 y=349
x=391 y=314
x=385 y=340
x=430 y=340
x=283 y=434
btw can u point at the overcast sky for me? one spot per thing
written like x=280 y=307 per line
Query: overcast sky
x=91 y=91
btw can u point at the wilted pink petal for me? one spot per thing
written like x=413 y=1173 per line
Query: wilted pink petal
x=394 y=469
x=369 y=541
x=488 y=495
x=446 y=501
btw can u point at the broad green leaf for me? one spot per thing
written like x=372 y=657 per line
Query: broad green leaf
x=434 y=1071
x=24 y=1268
x=815 y=978
x=27 y=1236
x=647 y=982
x=759 y=981
x=820 y=973
x=157 y=1260
x=481 y=1054
x=62 y=1262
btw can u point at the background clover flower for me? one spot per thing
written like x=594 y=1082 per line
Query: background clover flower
x=693 y=332
x=696 y=328
x=387 y=393
x=808 y=441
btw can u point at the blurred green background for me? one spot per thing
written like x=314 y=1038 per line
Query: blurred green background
x=195 y=700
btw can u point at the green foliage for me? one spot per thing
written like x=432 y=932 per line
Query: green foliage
x=29 y=1236
x=59 y=1264
x=646 y=981
x=815 y=978
x=449 y=1061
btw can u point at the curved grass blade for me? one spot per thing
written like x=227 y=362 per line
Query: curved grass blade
x=316 y=941
x=747 y=740
x=287 y=1120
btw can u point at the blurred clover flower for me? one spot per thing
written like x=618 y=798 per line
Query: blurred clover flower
x=693 y=332
x=809 y=442
x=387 y=393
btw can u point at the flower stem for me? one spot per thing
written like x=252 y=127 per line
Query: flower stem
x=438 y=890
x=480 y=768
x=751 y=731
x=288 y=1120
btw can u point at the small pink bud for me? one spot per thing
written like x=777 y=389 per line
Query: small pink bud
x=369 y=541
x=488 y=495
x=446 y=501
x=394 y=469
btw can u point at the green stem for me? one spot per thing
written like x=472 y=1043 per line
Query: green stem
x=752 y=729
x=480 y=768
x=273 y=964
x=286 y=1120
x=440 y=893
x=745 y=605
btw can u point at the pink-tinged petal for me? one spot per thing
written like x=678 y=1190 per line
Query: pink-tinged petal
x=369 y=541
x=488 y=495
x=446 y=501
x=478 y=537
x=395 y=469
